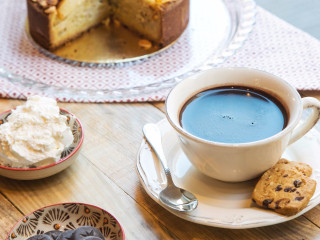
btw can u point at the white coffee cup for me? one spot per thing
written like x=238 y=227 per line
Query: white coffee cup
x=234 y=162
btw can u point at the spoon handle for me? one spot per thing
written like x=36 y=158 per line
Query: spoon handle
x=153 y=136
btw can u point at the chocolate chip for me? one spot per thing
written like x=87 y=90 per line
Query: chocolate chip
x=284 y=202
x=278 y=188
x=266 y=202
x=299 y=198
x=253 y=200
x=288 y=189
x=286 y=175
x=297 y=183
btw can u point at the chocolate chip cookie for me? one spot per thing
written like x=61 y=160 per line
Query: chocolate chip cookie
x=286 y=188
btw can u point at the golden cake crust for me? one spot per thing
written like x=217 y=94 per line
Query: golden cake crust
x=38 y=24
x=173 y=19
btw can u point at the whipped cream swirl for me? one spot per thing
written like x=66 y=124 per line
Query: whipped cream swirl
x=35 y=134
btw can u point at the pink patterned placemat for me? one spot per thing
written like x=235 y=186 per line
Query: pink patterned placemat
x=280 y=48
x=29 y=71
x=273 y=46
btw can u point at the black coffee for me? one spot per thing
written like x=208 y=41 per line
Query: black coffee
x=233 y=115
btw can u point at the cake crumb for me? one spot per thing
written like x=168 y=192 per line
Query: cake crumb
x=145 y=44
x=50 y=10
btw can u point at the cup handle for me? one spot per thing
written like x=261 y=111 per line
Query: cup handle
x=305 y=126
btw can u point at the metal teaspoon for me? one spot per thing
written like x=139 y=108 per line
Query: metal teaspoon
x=172 y=196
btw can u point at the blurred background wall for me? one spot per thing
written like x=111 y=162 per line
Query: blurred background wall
x=304 y=14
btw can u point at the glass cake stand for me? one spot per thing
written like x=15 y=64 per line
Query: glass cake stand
x=215 y=31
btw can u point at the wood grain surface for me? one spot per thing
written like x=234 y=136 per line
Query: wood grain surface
x=104 y=175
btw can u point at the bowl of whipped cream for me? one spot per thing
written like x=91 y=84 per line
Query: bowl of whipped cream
x=38 y=139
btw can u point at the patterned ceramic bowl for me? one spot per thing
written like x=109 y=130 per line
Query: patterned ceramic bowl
x=67 y=157
x=66 y=216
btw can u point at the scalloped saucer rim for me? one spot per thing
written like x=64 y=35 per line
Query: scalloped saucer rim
x=225 y=205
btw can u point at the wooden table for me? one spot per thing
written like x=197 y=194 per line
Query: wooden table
x=104 y=175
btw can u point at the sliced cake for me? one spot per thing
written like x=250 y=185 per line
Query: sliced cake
x=52 y=23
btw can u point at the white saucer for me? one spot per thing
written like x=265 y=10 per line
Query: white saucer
x=225 y=205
